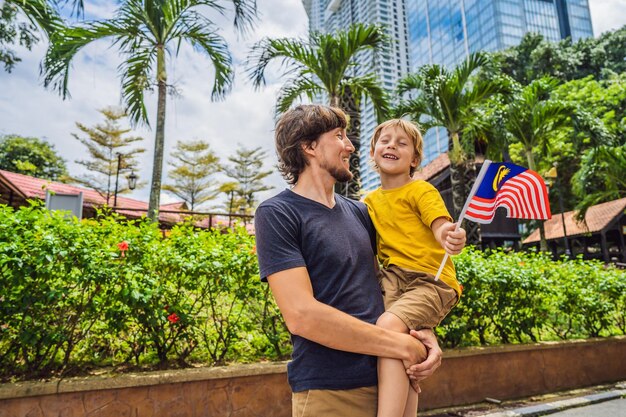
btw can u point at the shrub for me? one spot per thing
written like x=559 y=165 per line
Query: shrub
x=108 y=291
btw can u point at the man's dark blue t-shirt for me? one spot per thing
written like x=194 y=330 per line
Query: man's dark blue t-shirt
x=337 y=248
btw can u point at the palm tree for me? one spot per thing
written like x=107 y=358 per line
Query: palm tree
x=326 y=65
x=533 y=118
x=453 y=100
x=601 y=177
x=146 y=33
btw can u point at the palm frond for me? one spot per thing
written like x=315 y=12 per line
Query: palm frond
x=64 y=45
x=204 y=36
x=369 y=87
x=41 y=14
x=290 y=92
x=135 y=80
x=294 y=55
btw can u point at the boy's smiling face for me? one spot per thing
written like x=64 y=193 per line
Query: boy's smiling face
x=394 y=153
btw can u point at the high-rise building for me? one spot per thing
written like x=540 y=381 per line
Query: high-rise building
x=330 y=15
x=445 y=31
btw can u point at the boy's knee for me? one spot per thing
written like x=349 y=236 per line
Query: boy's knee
x=391 y=322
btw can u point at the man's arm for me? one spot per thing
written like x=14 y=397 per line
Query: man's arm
x=328 y=326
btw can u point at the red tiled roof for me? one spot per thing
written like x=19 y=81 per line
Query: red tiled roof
x=179 y=205
x=30 y=187
x=596 y=219
x=434 y=168
x=438 y=165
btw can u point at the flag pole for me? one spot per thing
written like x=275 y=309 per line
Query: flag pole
x=479 y=179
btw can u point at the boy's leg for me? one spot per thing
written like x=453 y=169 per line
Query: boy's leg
x=393 y=383
x=410 y=409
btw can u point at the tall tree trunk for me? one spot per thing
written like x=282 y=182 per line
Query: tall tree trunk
x=159 y=140
x=462 y=177
x=349 y=104
x=543 y=243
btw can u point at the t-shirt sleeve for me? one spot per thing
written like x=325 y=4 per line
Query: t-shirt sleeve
x=431 y=206
x=277 y=241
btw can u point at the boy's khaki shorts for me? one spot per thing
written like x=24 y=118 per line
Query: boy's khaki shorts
x=415 y=297
x=358 y=402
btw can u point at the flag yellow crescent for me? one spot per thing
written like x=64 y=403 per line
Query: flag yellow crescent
x=502 y=172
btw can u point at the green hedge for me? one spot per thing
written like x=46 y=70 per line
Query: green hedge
x=76 y=295
x=520 y=297
x=73 y=297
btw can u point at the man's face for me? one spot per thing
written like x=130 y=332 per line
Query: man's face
x=334 y=149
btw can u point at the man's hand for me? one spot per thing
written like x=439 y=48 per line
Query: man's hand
x=425 y=369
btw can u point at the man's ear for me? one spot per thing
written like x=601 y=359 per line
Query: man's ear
x=310 y=148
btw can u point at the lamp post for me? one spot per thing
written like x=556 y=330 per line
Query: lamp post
x=132 y=179
x=242 y=212
x=553 y=175
x=117 y=178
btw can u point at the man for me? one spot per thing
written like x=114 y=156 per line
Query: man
x=316 y=250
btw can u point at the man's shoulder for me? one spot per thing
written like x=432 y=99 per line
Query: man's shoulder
x=279 y=200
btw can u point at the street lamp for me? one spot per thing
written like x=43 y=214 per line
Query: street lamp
x=553 y=175
x=132 y=179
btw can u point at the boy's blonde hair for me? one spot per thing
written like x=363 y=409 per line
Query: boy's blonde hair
x=412 y=131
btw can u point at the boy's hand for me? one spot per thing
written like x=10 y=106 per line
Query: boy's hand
x=453 y=240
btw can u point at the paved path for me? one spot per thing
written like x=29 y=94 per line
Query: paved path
x=583 y=404
x=614 y=408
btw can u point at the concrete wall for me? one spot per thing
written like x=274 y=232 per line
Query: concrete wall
x=466 y=376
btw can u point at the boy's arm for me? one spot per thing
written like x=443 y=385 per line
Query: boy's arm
x=323 y=324
x=451 y=240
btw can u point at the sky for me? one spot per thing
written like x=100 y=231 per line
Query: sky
x=245 y=117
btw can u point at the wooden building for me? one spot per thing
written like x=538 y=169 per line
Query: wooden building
x=600 y=236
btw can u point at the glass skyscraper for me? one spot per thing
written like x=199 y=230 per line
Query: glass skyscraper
x=445 y=31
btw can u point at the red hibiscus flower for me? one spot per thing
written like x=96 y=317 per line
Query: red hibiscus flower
x=173 y=318
x=123 y=247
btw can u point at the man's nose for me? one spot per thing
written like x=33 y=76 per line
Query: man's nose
x=349 y=144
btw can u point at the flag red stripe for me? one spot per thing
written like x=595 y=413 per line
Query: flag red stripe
x=524 y=196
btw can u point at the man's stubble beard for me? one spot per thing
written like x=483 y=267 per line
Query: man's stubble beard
x=339 y=174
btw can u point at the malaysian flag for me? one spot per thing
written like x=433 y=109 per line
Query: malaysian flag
x=500 y=184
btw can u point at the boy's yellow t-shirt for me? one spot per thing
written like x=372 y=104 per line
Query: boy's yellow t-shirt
x=402 y=217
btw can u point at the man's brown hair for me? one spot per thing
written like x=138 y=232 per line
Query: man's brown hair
x=300 y=126
x=412 y=131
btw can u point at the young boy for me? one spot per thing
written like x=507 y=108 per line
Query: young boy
x=413 y=228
